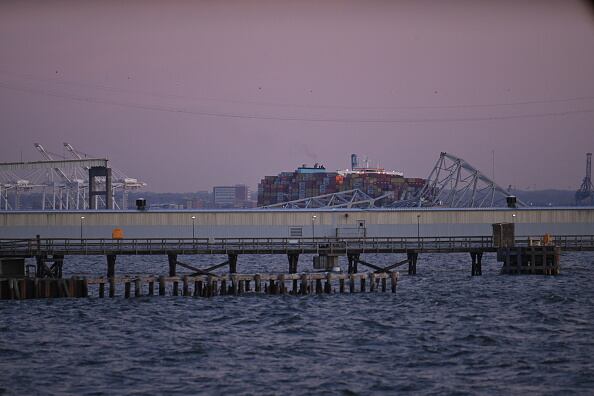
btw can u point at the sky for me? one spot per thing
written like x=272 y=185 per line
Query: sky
x=186 y=95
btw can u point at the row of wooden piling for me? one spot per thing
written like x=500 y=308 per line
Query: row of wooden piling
x=25 y=288
x=199 y=286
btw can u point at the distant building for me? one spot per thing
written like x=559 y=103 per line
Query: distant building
x=231 y=196
x=307 y=182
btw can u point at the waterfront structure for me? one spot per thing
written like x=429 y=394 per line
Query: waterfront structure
x=283 y=223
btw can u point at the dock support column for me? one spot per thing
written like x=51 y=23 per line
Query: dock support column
x=412 y=262
x=111 y=260
x=172 y=258
x=293 y=260
x=353 y=261
x=232 y=263
x=477 y=258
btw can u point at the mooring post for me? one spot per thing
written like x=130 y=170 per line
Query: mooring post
x=232 y=263
x=111 y=261
x=479 y=263
x=473 y=265
x=172 y=259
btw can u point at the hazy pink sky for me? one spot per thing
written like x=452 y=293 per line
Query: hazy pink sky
x=187 y=95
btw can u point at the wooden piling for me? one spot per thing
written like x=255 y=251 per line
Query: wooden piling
x=363 y=284
x=319 y=288
x=85 y=288
x=384 y=281
x=127 y=288
x=175 y=288
x=197 y=288
x=151 y=287
x=303 y=289
x=281 y=284
x=111 y=287
x=186 y=287
x=372 y=282
x=351 y=283
x=258 y=283
x=394 y=281
x=328 y=285
x=137 y=287
x=101 y=290
x=161 y=285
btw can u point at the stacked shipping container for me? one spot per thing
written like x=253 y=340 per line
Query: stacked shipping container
x=309 y=182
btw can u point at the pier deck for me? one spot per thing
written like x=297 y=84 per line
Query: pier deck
x=210 y=246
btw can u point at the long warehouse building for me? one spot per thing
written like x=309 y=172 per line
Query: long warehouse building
x=295 y=223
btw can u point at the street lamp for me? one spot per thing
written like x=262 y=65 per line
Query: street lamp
x=313 y=227
x=81 y=227
x=193 y=227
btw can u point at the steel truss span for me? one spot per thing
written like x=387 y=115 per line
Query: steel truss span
x=454 y=183
x=344 y=199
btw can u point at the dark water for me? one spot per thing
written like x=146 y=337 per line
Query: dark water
x=443 y=332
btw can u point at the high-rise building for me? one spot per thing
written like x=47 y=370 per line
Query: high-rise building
x=230 y=196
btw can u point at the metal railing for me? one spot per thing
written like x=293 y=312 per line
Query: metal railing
x=147 y=246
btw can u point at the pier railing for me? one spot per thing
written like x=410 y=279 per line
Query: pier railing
x=149 y=246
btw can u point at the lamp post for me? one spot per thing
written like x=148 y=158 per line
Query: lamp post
x=313 y=227
x=193 y=227
x=81 y=227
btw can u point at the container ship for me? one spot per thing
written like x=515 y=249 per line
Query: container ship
x=310 y=181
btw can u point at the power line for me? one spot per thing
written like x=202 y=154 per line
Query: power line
x=301 y=105
x=302 y=119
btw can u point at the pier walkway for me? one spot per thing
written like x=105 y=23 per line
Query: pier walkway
x=325 y=246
